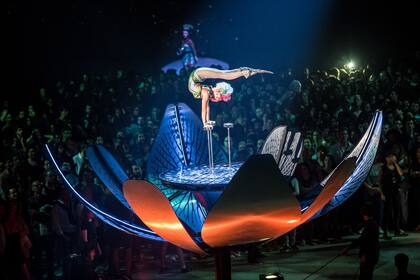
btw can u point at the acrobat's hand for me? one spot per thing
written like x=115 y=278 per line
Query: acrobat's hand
x=209 y=125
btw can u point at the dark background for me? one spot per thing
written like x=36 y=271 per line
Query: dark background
x=50 y=40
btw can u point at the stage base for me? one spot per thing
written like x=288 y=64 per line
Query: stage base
x=223 y=264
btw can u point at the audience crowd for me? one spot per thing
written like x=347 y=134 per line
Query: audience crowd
x=44 y=232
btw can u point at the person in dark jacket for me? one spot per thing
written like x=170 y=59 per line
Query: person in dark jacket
x=368 y=244
x=401 y=263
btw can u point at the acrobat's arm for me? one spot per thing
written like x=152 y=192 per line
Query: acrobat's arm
x=205 y=108
x=212 y=73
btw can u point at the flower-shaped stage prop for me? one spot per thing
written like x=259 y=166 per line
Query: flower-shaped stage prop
x=203 y=209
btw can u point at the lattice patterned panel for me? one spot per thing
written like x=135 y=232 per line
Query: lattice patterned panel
x=290 y=154
x=273 y=145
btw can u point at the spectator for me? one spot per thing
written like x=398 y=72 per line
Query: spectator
x=2 y=237
x=290 y=237
x=373 y=196
x=307 y=182
x=414 y=192
x=17 y=242
x=401 y=263
x=90 y=245
x=342 y=147
x=391 y=178
x=63 y=228
x=180 y=254
x=368 y=244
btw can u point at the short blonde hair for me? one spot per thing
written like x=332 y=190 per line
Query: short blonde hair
x=226 y=91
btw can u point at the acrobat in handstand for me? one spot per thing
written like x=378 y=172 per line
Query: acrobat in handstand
x=221 y=92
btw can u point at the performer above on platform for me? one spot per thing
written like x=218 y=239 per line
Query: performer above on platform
x=187 y=49
x=221 y=92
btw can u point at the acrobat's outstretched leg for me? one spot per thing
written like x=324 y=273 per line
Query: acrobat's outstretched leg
x=211 y=73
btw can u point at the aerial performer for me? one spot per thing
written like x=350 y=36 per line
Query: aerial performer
x=187 y=49
x=221 y=92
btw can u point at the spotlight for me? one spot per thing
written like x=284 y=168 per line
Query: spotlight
x=350 y=65
x=272 y=275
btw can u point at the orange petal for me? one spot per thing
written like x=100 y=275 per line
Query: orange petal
x=154 y=209
x=257 y=205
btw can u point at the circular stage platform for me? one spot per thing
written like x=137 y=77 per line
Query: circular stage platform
x=200 y=178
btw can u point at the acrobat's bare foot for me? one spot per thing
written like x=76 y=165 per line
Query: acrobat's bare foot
x=261 y=71
x=247 y=72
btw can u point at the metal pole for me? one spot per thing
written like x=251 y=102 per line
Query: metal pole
x=228 y=127
x=211 y=151
x=230 y=162
x=210 y=143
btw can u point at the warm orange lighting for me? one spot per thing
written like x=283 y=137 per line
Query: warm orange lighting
x=155 y=210
x=247 y=213
x=230 y=223
x=166 y=225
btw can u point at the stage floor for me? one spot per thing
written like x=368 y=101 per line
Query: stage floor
x=300 y=264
